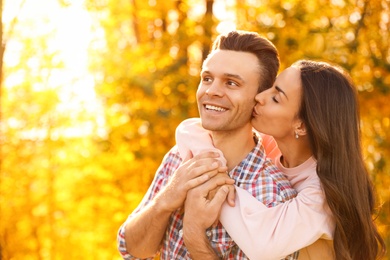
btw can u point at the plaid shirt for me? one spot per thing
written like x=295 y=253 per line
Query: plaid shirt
x=255 y=173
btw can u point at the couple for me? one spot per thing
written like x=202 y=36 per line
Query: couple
x=311 y=111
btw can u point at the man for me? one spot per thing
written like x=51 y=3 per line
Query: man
x=239 y=65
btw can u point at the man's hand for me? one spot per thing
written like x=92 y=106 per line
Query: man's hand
x=230 y=199
x=145 y=231
x=201 y=211
x=189 y=175
x=204 y=202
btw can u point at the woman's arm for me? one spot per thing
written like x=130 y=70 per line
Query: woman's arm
x=270 y=146
x=273 y=233
x=260 y=231
x=193 y=139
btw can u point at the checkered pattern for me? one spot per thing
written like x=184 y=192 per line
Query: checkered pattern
x=293 y=256
x=255 y=173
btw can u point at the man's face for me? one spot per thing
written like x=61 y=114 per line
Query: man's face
x=228 y=85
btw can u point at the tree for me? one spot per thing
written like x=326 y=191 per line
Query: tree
x=353 y=35
x=71 y=175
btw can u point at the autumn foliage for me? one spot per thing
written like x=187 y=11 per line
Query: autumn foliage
x=74 y=166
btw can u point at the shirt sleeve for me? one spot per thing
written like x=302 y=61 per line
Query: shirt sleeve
x=160 y=180
x=270 y=146
x=192 y=139
x=273 y=233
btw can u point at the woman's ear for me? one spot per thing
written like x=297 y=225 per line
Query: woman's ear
x=300 y=129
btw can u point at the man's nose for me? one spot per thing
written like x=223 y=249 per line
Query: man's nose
x=214 y=89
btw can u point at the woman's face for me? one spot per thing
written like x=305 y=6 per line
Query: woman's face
x=277 y=108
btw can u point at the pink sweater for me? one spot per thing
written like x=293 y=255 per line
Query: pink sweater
x=192 y=139
x=272 y=233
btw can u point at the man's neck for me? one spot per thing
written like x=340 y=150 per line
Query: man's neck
x=234 y=145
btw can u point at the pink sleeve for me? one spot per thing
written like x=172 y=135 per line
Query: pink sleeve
x=192 y=139
x=270 y=146
x=274 y=233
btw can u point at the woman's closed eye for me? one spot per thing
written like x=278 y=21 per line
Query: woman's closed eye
x=274 y=99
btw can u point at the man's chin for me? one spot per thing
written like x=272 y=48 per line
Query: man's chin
x=211 y=126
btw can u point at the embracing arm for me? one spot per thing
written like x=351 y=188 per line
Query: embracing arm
x=142 y=233
x=273 y=233
x=201 y=212
x=270 y=146
x=192 y=139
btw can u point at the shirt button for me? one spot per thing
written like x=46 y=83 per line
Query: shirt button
x=181 y=232
x=208 y=233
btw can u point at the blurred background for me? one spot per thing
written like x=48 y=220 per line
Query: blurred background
x=92 y=91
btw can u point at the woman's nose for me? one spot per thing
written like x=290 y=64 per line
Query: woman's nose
x=260 y=98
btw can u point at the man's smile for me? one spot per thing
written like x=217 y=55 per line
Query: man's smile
x=215 y=108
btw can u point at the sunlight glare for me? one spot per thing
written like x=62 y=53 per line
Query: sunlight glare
x=68 y=34
x=227 y=18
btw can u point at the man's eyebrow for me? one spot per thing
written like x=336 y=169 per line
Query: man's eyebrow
x=281 y=91
x=204 y=71
x=228 y=75
x=236 y=76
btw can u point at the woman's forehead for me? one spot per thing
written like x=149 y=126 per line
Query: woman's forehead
x=289 y=82
x=290 y=77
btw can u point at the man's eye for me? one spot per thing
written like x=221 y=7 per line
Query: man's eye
x=232 y=83
x=207 y=79
x=274 y=99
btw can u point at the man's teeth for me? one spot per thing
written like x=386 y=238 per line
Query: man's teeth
x=209 y=107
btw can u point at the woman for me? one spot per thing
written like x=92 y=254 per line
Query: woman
x=312 y=112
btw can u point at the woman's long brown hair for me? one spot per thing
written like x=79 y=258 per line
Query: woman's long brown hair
x=330 y=112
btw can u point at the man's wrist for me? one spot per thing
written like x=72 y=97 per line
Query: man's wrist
x=197 y=243
x=162 y=206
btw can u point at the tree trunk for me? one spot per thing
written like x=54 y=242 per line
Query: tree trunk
x=208 y=28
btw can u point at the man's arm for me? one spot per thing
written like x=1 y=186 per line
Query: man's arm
x=198 y=244
x=144 y=231
x=201 y=212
